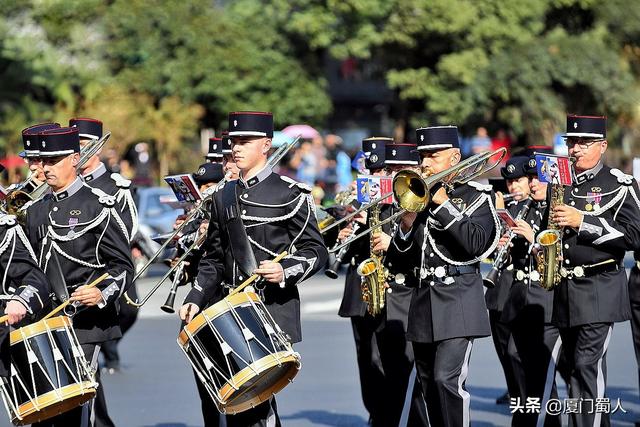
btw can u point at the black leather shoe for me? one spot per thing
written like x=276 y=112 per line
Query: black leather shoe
x=504 y=399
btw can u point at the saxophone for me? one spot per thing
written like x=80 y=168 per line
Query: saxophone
x=371 y=270
x=550 y=242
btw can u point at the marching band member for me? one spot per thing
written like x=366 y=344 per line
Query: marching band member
x=396 y=352
x=600 y=220
x=30 y=152
x=528 y=310
x=363 y=325
x=517 y=182
x=77 y=235
x=94 y=173
x=443 y=245
x=275 y=214
x=25 y=289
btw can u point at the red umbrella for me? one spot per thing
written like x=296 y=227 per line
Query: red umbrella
x=12 y=162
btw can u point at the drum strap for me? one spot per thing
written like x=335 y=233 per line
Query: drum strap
x=238 y=240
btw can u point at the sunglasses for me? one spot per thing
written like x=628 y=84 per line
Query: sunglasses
x=583 y=143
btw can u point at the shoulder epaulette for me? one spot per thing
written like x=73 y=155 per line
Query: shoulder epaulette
x=292 y=182
x=104 y=198
x=622 y=177
x=480 y=187
x=121 y=182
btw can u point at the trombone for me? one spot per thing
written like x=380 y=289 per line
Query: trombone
x=203 y=207
x=412 y=190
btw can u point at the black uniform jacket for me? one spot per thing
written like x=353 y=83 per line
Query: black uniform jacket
x=21 y=276
x=78 y=230
x=525 y=295
x=460 y=231
x=116 y=185
x=634 y=280
x=278 y=215
x=608 y=199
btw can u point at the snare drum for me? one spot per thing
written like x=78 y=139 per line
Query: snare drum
x=239 y=352
x=49 y=373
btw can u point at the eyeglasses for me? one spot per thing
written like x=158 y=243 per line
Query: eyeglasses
x=583 y=143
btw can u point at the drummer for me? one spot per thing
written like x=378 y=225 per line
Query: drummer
x=277 y=212
x=77 y=239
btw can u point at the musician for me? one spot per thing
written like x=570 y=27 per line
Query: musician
x=600 y=222
x=79 y=239
x=94 y=173
x=278 y=213
x=443 y=245
x=363 y=325
x=517 y=183
x=528 y=309
x=396 y=352
x=214 y=154
x=25 y=289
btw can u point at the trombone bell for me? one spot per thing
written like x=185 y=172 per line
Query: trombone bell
x=411 y=190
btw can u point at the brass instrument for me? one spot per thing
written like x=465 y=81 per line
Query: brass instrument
x=202 y=208
x=550 y=241
x=412 y=190
x=372 y=271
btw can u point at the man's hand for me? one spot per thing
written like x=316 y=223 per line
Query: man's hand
x=503 y=240
x=87 y=296
x=16 y=311
x=188 y=312
x=345 y=232
x=271 y=271
x=567 y=216
x=381 y=242
x=524 y=229
x=179 y=220
x=440 y=196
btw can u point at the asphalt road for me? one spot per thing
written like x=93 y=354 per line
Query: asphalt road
x=156 y=385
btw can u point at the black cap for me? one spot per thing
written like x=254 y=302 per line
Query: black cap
x=531 y=166
x=251 y=123
x=401 y=154
x=515 y=167
x=87 y=128
x=374 y=151
x=31 y=141
x=208 y=173
x=436 y=138
x=215 y=148
x=586 y=127
x=226 y=143
x=59 y=142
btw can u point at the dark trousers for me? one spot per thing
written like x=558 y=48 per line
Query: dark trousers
x=5 y=351
x=210 y=414
x=585 y=350
x=539 y=347
x=263 y=415
x=403 y=401
x=90 y=414
x=507 y=353
x=127 y=315
x=443 y=367
x=369 y=364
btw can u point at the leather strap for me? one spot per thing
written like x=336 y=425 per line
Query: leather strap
x=238 y=240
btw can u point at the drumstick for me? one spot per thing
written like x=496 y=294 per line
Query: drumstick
x=255 y=276
x=64 y=304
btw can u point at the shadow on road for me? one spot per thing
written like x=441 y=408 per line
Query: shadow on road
x=326 y=418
